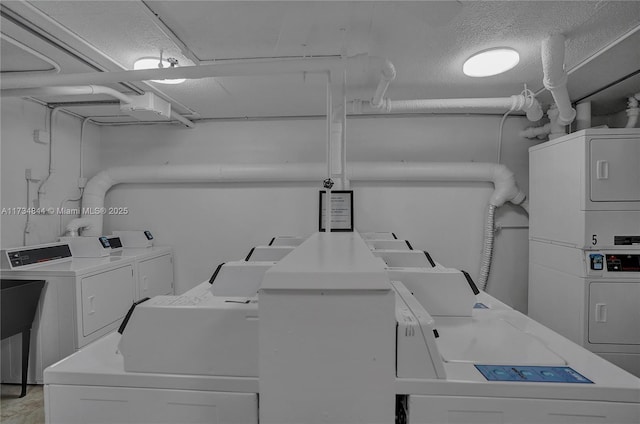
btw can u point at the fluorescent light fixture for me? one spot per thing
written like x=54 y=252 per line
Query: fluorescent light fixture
x=491 y=62
x=153 y=63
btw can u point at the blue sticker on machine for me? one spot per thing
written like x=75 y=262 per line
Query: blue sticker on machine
x=480 y=305
x=532 y=374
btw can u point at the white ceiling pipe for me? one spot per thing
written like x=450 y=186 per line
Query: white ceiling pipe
x=555 y=77
x=517 y=102
x=219 y=69
x=78 y=90
x=96 y=189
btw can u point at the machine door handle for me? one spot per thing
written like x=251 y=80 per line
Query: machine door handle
x=145 y=283
x=601 y=312
x=91 y=305
x=602 y=169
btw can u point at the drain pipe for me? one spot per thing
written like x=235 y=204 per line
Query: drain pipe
x=78 y=90
x=555 y=77
x=553 y=128
x=536 y=132
x=519 y=102
x=555 y=80
x=633 y=111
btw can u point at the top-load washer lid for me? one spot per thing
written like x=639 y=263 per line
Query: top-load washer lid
x=490 y=338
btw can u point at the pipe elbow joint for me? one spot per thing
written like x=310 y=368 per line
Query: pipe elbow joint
x=566 y=117
x=506 y=189
x=513 y=195
x=388 y=70
x=74 y=227
x=382 y=105
x=534 y=111
x=518 y=198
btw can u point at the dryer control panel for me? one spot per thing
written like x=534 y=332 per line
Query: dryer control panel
x=623 y=262
x=617 y=262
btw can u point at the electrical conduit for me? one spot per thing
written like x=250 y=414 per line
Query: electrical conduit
x=78 y=90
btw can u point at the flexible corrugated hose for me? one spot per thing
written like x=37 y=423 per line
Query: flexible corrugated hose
x=487 y=249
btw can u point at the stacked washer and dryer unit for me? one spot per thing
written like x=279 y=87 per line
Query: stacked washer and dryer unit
x=584 y=241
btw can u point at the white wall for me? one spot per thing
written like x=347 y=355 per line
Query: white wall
x=212 y=223
x=19 y=152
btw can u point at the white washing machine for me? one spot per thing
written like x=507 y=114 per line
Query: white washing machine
x=83 y=300
x=153 y=269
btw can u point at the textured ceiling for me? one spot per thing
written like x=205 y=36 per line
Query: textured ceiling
x=426 y=41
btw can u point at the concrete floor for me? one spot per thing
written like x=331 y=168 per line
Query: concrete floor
x=26 y=410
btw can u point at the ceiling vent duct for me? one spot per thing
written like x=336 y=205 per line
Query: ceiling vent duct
x=147 y=107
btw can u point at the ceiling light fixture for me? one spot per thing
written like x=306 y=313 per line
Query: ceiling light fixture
x=491 y=62
x=156 y=62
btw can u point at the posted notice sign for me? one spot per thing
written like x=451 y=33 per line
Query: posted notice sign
x=341 y=210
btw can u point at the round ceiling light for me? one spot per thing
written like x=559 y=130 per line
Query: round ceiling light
x=153 y=63
x=491 y=62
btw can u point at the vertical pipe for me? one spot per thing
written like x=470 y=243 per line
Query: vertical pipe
x=343 y=135
x=82 y=134
x=583 y=115
x=327 y=204
x=41 y=187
